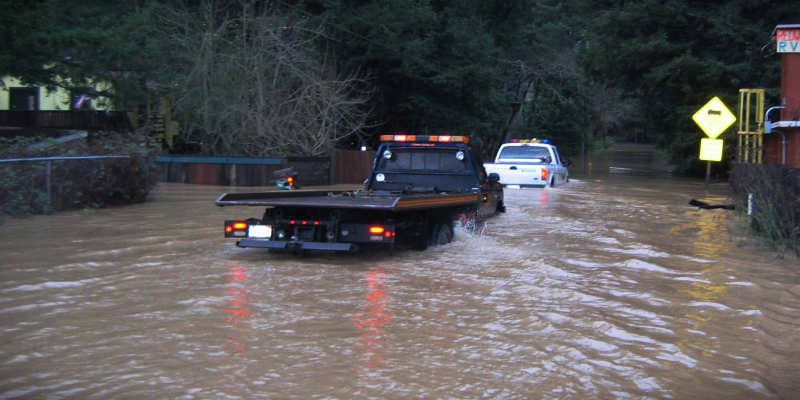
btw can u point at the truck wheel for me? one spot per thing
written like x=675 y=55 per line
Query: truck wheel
x=553 y=182
x=442 y=234
x=420 y=243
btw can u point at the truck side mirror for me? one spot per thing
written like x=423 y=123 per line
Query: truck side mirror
x=567 y=162
x=494 y=177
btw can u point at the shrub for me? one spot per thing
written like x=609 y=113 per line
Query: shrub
x=75 y=183
x=775 y=191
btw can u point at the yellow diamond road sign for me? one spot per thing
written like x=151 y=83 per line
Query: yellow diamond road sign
x=714 y=117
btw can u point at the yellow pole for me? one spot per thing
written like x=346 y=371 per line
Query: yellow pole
x=739 y=149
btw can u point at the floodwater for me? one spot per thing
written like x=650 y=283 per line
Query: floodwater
x=608 y=287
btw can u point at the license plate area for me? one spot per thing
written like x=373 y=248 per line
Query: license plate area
x=259 y=231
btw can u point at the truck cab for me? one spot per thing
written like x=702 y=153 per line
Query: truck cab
x=433 y=164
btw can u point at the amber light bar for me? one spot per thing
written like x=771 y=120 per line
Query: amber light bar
x=401 y=137
x=534 y=140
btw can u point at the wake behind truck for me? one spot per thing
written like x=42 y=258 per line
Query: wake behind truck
x=418 y=186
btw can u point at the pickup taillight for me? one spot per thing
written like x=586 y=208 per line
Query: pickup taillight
x=544 y=173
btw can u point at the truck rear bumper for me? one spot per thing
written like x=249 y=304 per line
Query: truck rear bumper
x=314 y=246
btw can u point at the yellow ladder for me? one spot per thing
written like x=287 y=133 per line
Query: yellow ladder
x=751 y=131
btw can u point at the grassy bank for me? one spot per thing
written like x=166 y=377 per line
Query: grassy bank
x=772 y=193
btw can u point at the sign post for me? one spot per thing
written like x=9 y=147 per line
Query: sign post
x=713 y=118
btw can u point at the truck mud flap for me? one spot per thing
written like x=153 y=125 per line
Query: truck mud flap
x=313 y=246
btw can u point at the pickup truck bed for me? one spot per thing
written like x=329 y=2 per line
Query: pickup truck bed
x=529 y=164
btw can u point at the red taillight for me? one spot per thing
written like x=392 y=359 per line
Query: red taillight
x=240 y=226
x=290 y=180
x=544 y=174
x=376 y=230
x=228 y=229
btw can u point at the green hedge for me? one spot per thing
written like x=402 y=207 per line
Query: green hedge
x=775 y=202
x=75 y=183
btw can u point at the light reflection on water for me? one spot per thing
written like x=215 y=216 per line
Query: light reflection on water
x=237 y=311
x=372 y=320
x=609 y=287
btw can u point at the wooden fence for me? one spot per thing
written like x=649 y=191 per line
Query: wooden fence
x=351 y=167
x=95 y=120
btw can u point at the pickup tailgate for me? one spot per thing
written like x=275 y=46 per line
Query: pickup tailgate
x=347 y=200
x=519 y=173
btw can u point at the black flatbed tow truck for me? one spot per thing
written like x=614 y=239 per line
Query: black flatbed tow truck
x=419 y=186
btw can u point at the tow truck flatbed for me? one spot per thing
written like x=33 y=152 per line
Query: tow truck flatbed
x=327 y=199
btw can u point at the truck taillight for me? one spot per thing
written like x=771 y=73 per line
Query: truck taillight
x=376 y=230
x=235 y=228
x=544 y=174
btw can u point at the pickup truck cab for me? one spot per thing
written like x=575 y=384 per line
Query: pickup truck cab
x=529 y=163
x=419 y=187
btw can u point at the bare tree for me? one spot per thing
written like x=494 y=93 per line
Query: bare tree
x=528 y=79
x=257 y=85
x=609 y=106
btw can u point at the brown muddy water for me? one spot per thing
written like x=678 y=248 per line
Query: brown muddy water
x=608 y=287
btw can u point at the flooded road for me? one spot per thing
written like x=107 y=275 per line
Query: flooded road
x=607 y=287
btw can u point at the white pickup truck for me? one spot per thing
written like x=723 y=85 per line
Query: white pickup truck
x=529 y=163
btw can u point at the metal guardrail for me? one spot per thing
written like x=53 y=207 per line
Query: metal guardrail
x=49 y=165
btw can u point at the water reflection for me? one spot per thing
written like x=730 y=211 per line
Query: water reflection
x=706 y=292
x=372 y=320
x=238 y=313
